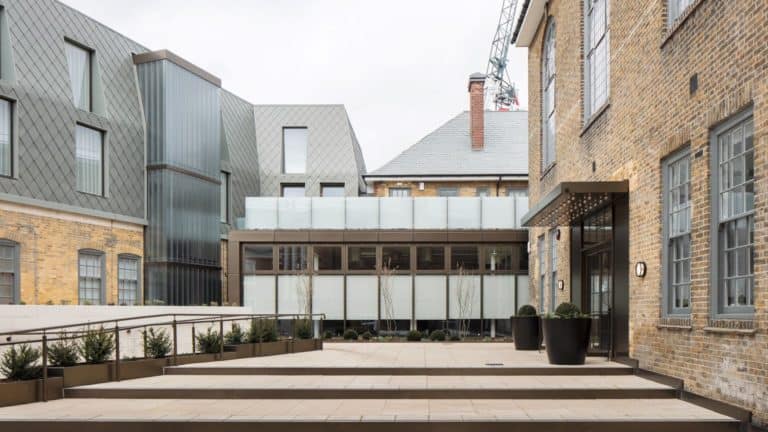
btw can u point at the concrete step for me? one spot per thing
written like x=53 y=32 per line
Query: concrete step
x=371 y=415
x=378 y=387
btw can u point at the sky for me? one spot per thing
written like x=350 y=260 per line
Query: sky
x=400 y=67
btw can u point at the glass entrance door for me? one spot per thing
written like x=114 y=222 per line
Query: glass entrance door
x=600 y=291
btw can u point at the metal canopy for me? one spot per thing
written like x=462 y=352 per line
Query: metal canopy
x=569 y=202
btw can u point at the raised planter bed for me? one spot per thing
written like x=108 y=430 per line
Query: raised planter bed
x=142 y=368
x=83 y=374
x=243 y=350
x=304 y=345
x=22 y=392
x=274 y=348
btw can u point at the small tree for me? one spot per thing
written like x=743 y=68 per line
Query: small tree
x=465 y=296
x=303 y=325
x=387 y=296
x=235 y=336
x=63 y=352
x=20 y=363
x=97 y=345
x=209 y=342
x=158 y=344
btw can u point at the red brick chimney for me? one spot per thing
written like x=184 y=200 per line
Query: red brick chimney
x=477 y=110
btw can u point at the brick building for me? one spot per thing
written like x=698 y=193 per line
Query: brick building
x=477 y=153
x=647 y=161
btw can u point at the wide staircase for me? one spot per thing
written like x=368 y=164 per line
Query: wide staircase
x=379 y=387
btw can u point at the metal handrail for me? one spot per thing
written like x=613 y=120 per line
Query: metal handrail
x=198 y=318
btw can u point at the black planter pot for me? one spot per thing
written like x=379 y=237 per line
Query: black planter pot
x=526 y=331
x=566 y=339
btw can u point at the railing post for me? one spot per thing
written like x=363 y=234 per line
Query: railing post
x=193 y=339
x=44 y=397
x=221 y=337
x=145 y=341
x=117 y=352
x=175 y=339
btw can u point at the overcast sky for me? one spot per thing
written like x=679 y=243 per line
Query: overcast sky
x=399 y=66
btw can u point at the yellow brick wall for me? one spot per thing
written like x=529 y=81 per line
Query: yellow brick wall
x=49 y=242
x=467 y=188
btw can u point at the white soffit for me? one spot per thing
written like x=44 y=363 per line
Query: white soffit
x=533 y=17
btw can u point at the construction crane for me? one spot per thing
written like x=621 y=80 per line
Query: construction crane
x=502 y=93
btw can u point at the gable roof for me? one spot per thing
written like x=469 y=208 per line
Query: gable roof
x=447 y=151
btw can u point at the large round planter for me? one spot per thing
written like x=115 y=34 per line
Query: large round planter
x=566 y=340
x=526 y=331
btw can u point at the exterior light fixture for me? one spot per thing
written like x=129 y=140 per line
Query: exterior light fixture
x=640 y=269
x=561 y=285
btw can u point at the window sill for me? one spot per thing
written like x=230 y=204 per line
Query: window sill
x=547 y=170
x=673 y=28
x=599 y=113
x=674 y=327
x=734 y=331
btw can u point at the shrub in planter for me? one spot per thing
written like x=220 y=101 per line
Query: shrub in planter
x=327 y=334
x=350 y=335
x=367 y=336
x=414 y=336
x=157 y=343
x=262 y=330
x=235 y=336
x=96 y=346
x=63 y=352
x=437 y=335
x=209 y=342
x=303 y=329
x=566 y=335
x=526 y=327
x=20 y=363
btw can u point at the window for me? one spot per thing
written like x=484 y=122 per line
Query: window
x=128 y=292
x=293 y=191
x=79 y=60
x=430 y=258
x=399 y=192
x=483 y=192
x=295 y=150
x=675 y=9
x=224 y=203
x=332 y=190
x=552 y=269
x=677 y=234
x=257 y=258
x=361 y=257
x=89 y=152
x=521 y=204
x=733 y=210
x=397 y=257
x=9 y=272
x=327 y=258
x=6 y=138
x=464 y=258
x=292 y=258
x=596 y=37
x=448 y=191
x=91 y=278
x=548 y=99
x=541 y=249
x=506 y=258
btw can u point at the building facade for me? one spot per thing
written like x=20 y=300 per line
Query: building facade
x=647 y=133
x=102 y=199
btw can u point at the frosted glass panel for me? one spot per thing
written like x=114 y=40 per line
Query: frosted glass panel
x=498 y=213
x=294 y=213
x=259 y=294
x=261 y=213
x=464 y=213
x=464 y=297
x=430 y=297
x=362 y=213
x=362 y=297
x=430 y=213
x=498 y=296
x=328 y=213
x=523 y=291
x=328 y=296
x=396 y=213
x=292 y=294
x=396 y=297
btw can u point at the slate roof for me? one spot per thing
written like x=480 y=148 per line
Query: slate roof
x=448 y=151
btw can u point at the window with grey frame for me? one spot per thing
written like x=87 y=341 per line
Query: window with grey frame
x=400 y=192
x=224 y=198
x=448 y=191
x=677 y=233
x=293 y=191
x=552 y=269
x=128 y=287
x=91 y=277
x=89 y=153
x=80 y=64
x=483 y=191
x=733 y=210
x=675 y=9
x=295 y=143
x=596 y=60
x=548 y=72
x=9 y=272
x=6 y=138
x=541 y=252
x=332 y=190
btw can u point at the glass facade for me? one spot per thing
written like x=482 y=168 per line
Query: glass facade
x=362 y=257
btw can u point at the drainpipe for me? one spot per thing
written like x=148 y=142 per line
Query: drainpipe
x=498 y=186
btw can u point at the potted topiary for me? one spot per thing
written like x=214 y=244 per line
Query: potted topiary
x=526 y=327
x=566 y=335
x=414 y=336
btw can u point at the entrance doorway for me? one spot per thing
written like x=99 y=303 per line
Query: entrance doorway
x=599 y=287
